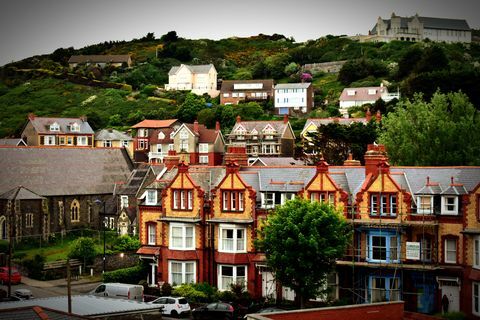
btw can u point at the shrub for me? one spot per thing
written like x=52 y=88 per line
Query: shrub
x=190 y=292
x=130 y=275
x=126 y=243
x=35 y=266
x=83 y=249
x=166 y=289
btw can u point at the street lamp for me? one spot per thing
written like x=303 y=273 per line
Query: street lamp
x=99 y=202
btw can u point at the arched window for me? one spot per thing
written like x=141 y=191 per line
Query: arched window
x=3 y=228
x=75 y=211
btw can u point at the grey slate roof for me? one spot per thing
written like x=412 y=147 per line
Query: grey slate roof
x=34 y=312
x=12 y=142
x=111 y=134
x=299 y=85
x=276 y=161
x=63 y=171
x=86 y=305
x=42 y=125
x=20 y=193
x=291 y=179
x=279 y=126
x=203 y=68
x=431 y=23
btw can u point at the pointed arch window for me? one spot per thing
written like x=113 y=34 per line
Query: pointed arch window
x=3 y=228
x=75 y=211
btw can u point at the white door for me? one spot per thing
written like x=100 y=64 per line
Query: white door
x=453 y=294
x=268 y=285
x=288 y=294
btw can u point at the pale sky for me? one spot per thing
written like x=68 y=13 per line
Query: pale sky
x=31 y=27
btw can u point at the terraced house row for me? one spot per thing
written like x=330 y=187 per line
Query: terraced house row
x=416 y=229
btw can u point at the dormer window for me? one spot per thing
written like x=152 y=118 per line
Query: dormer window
x=425 y=204
x=54 y=127
x=172 y=135
x=151 y=198
x=372 y=91
x=161 y=135
x=450 y=205
x=75 y=127
x=350 y=92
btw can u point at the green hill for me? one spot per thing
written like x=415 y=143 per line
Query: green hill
x=45 y=85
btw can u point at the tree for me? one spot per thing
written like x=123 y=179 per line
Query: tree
x=442 y=131
x=83 y=249
x=190 y=108
x=302 y=240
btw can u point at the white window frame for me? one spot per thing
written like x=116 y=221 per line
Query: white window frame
x=125 y=143
x=183 y=227
x=151 y=234
x=75 y=127
x=476 y=298
x=445 y=205
x=29 y=220
x=171 y=147
x=222 y=245
x=123 y=202
x=54 y=127
x=388 y=247
x=420 y=209
x=184 y=273
x=184 y=134
x=284 y=197
x=186 y=199
x=203 y=147
x=151 y=197
x=82 y=141
x=203 y=159
x=476 y=252
x=267 y=200
x=49 y=140
x=446 y=251
x=234 y=276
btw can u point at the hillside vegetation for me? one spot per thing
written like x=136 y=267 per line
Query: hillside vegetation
x=44 y=84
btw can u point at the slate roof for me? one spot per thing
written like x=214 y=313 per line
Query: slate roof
x=204 y=135
x=111 y=134
x=325 y=121
x=276 y=161
x=430 y=23
x=63 y=170
x=279 y=126
x=202 y=68
x=86 y=305
x=300 y=85
x=105 y=58
x=20 y=193
x=228 y=85
x=135 y=181
x=361 y=94
x=155 y=123
x=292 y=179
x=166 y=131
x=12 y=142
x=42 y=125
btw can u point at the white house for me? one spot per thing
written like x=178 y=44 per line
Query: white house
x=418 y=28
x=291 y=98
x=198 y=79
x=352 y=97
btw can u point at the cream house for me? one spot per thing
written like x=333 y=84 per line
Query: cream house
x=198 y=79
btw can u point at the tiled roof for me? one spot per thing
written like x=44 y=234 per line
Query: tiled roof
x=166 y=132
x=266 y=85
x=100 y=58
x=111 y=134
x=20 y=193
x=42 y=125
x=361 y=94
x=203 y=68
x=155 y=123
x=204 y=135
x=63 y=171
x=279 y=126
x=300 y=85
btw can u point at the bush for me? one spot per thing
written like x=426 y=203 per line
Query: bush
x=35 y=266
x=83 y=249
x=190 y=292
x=130 y=275
x=3 y=246
x=166 y=289
x=125 y=244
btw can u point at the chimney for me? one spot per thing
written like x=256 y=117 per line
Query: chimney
x=368 y=115
x=171 y=160
x=83 y=118
x=374 y=156
x=237 y=155
x=285 y=119
x=31 y=116
x=239 y=119
x=231 y=167
x=378 y=116
x=322 y=166
x=195 y=127
x=350 y=162
x=217 y=126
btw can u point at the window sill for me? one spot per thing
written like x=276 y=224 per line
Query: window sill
x=182 y=249
x=376 y=216
x=233 y=211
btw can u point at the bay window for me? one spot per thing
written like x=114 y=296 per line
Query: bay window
x=181 y=272
x=182 y=236
x=232 y=239
x=230 y=274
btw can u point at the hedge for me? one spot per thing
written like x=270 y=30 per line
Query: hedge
x=131 y=275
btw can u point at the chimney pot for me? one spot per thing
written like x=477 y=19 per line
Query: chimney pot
x=195 y=126
x=217 y=126
x=368 y=115
x=285 y=119
x=379 y=116
x=239 y=119
x=31 y=116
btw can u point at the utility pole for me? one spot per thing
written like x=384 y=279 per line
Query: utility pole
x=69 y=287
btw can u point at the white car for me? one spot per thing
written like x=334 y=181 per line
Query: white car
x=173 y=306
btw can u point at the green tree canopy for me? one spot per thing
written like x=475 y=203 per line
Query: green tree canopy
x=442 y=131
x=190 y=108
x=83 y=249
x=301 y=241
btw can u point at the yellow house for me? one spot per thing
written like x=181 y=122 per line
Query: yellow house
x=199 y=79
x=111 y=138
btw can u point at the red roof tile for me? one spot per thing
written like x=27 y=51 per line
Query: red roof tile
x=155 y=123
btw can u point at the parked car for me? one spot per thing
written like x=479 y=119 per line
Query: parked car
x=23 y=294
x=173 y=306
x=15 y=275
x=216 y=310
x=119 y=290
